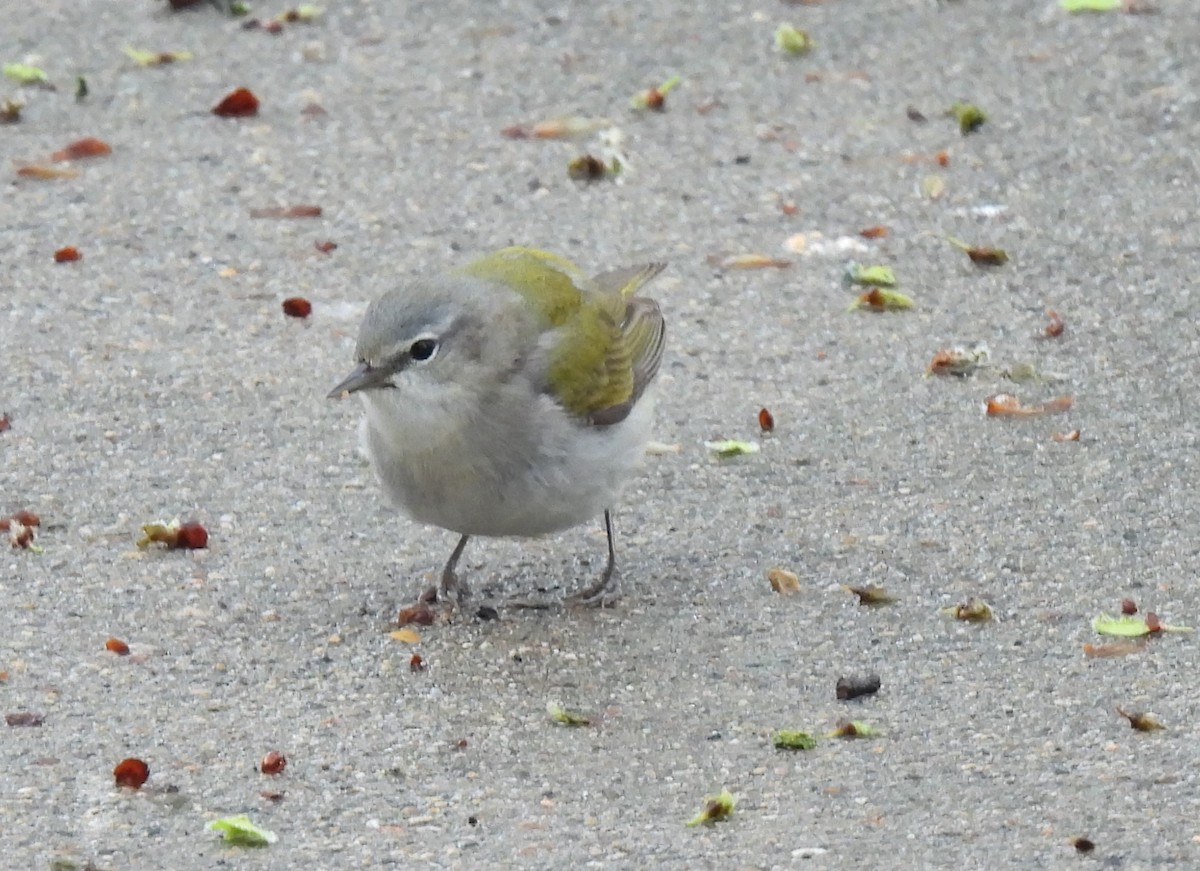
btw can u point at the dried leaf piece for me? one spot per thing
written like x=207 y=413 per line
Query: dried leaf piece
x=874 y=276
x=766 y=420
x=117 y=646
x=304 y=14
x=1056 y=325
x=881 y=299
x=1141 y=722
x=24 y=74
x=81 y=148
x=958 y=361
x=45 y=173
x=10 y=110
x=792 y=739
x=24 y=719
x=716 y=808
x=791 y=40
x=20 y=536
x=566 y=717
x=420 y=614
x=175 y=535
x=726 y=448
x=405 y=636
x=980 y=256
x=1123 y=647
x=131 y=773
x=305 y=211
x=239 y=103
x=67 y=254
x=871 y=594
x=1072 y=436
x=974 y=610
x=566 y=127
x=297 y=307
x=1006 y=404
x=748 y=261
x=876 y=232
x=155 y=58
x=853 y=729
x=853 y=687
x=783 y=582
x=1131 y=626
x=273 y=763
x=238 y=831
x=654 y=98
x=587 y=167
x=325 y=247
x=970 y=117
x=933 y=187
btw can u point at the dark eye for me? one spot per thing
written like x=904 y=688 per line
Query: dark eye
x=423 y=349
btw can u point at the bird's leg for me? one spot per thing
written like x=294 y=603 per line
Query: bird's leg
x=607 y=590
x=452 y=590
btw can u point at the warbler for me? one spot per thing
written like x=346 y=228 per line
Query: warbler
x=509 y=397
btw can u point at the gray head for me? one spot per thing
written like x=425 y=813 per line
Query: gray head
x=448 y=328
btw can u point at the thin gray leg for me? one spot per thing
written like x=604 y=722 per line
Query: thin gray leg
x=608 y=589
x=453 y=590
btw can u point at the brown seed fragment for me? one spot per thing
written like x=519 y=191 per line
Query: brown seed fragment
x=420 y=613
x=1056 y=325
x=853 y=687
x=766 y=420
x=67 y=254
x=117 y=646
x=24 y=718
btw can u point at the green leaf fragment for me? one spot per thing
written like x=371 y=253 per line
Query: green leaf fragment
x=238 y=831
x=25 y=74
x=970 y=117
x=653 y=98
x=155 y=58
x=566 y=717
x=1130 y=626
x=726 y=448
x=1090 y=5
x=307 y=12
x=792 y=739
x=881 y=299
x=716 y=807
x=81 y=89
x=791 y=40
x=875 y=276
x=854 y=729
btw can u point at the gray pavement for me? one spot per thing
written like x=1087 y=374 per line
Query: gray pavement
x=157 y=378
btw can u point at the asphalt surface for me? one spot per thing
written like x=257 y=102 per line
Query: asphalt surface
x=158 y=378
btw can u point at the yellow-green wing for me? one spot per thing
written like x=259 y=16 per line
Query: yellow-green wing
x=611 y=349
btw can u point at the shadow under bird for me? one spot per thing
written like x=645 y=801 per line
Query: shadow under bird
x=509 y=397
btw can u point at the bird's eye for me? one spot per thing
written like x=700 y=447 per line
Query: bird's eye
x=423 y=349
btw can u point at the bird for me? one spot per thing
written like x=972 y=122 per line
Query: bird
x=510 y=397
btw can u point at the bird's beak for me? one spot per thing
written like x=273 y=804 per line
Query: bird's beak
x=364 y=377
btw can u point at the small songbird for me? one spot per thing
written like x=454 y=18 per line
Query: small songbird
x=509 y=397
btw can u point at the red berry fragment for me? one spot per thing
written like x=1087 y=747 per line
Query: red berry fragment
x=117 y=646
x=175 y=535
x=273 y=763
x=68 y=254
x=240 y=103
x=297 y=307
x=131 y=773
x=416 y=664
x=419 y=613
